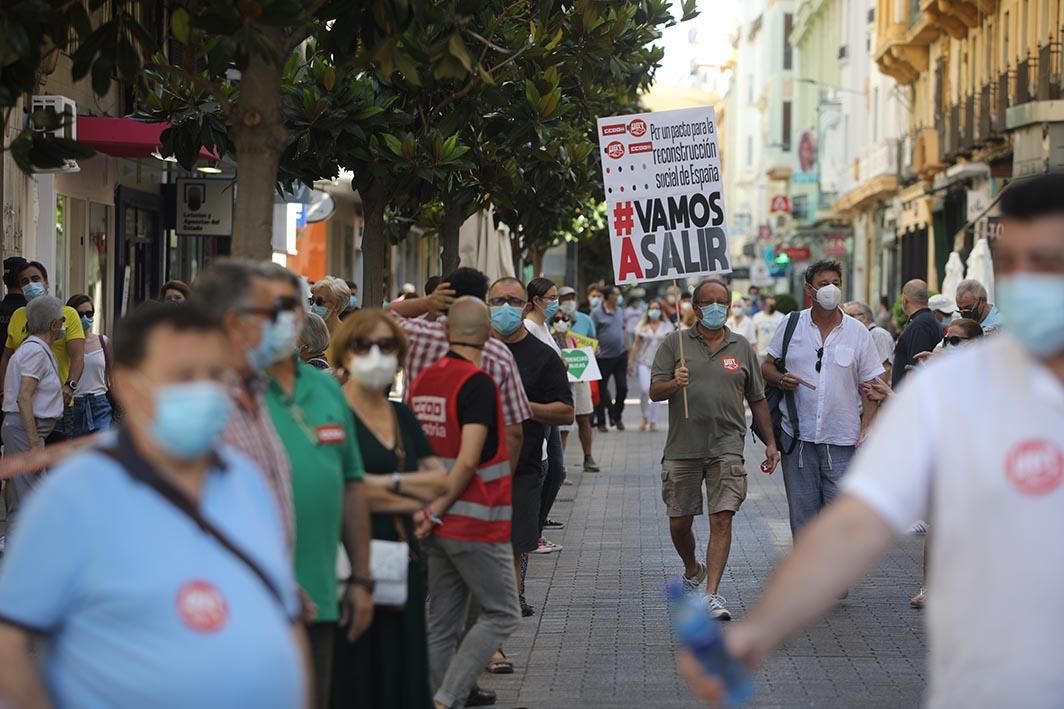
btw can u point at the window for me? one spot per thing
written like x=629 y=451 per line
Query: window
x=788 y=23
x=1006 y=59
x=786 y=137
x=1023 y=29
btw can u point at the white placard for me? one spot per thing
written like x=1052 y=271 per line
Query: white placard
x=204 y=207
x=664 y=195
x=581 y=364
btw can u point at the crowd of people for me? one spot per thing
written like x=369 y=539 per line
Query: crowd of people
x=259 y=493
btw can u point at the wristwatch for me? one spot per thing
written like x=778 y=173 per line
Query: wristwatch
x=72 y=384
x=368 y=584
x=396 y=480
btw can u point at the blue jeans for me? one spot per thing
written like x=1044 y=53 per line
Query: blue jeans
x=811 y=476
x=555 y=474
x=91 y=413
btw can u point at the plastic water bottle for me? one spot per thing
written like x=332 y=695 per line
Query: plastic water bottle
x=702 y=636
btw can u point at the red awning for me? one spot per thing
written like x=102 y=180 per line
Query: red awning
x=124 y=137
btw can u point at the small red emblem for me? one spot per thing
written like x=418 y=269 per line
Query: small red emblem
x=638 y=127
x=730 y=363
x=1035 y=467
x=202 y=607
x=331 y=434
x=615 y=149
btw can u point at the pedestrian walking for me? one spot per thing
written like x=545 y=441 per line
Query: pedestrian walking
x=973 y=304
x=828 y=356
x=232 y=291
x=649 y=334
x=582 y=323
x=718 y=370
x=33 y=394
x=156 y=564
x=564 y=322
x=922 y=333
x=317 y=429
x=742 y=324
x=313 y=341
x=469 y=550
x=766 y=322
x=612 y=360
x=388 y=666
x=92 y=405
x=881 y=338
x=960 y=455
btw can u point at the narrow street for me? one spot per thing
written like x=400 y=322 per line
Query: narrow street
x=600 y=637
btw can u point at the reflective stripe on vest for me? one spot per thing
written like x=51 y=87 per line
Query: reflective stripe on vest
x=488 y=473
x=481 y=512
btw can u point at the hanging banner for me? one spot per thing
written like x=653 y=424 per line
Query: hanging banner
x=664 y=195
x=583 y=367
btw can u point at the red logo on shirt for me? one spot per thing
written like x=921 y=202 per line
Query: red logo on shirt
x=730 y=363
x=330 y=434
x=202 y=607
x=1035 y=467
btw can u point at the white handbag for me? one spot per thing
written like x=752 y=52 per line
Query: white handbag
x=389 y=565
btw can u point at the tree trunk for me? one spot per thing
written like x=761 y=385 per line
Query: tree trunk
x=535 y=256
x=449 y=233
x=374 y=244
x=260 y=137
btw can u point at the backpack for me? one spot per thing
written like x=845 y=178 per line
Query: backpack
x=774 y=395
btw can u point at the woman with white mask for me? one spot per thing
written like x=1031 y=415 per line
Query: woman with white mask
x=388 y=664
x=649 y=334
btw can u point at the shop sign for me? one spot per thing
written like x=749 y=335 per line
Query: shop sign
x=204 y=207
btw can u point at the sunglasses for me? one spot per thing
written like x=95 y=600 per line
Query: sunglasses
x=316 y=301
x=507 y=300
x=953 y=340
x=282 y=304
x=819 y=358
x=387 y=345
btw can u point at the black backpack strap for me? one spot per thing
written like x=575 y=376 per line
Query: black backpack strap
x=179 y=500
x=781 y=364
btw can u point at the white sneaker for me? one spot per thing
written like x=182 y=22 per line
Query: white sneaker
x=546 y=547
x=715 y=607
x=691 y=584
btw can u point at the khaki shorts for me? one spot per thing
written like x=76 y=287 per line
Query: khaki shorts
x=681 y=485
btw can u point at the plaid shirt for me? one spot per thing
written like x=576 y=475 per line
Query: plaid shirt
x=251 y=432
x=428 y=343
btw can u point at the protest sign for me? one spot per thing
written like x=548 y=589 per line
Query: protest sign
x=582 y=341
x=583 y=367
x=664 y=195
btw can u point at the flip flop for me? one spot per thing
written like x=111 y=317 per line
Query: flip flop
x=501 y=667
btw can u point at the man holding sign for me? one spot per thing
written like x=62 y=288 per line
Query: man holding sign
x=717 y=370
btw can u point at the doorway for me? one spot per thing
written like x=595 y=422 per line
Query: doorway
x=138 y=248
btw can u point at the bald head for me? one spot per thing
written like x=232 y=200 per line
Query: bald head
x=914 y=294
x=468 y=321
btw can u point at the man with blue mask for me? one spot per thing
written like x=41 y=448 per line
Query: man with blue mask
x=973 y=442
x=257 y=332
x=155 y=565
x=704 y=448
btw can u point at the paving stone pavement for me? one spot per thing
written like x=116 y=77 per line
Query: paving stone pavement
x=600 y=637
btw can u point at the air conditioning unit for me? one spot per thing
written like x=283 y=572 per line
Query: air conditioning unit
x=67 y=111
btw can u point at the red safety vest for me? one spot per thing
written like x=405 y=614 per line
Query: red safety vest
x=482 y=512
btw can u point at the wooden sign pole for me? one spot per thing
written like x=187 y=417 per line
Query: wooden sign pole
x=683 y=360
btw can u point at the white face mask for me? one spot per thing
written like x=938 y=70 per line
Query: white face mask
x=685 y=306
x=670 y=299
x=829 y=296
x=373 y=370
x=561 y=326
x=567 y=306
x=737 y=311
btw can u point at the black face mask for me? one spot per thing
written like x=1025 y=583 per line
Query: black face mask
x=971 y=314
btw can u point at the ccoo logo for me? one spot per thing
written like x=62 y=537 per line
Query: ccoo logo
x=615 y=149
x=638 y=127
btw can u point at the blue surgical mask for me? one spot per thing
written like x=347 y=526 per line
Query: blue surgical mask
x=352 y=302
x=320 y=310
x=190 y=417
x=62 y=334
x=594 y=301
x=33 y=290
x=505 y=319
x=714 y=315
x=1030 y=306
x=550 y=310
x=654 y=314
x=86 y=323
x=278 y=339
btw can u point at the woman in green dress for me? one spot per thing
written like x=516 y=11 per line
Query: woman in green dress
x=388 y=665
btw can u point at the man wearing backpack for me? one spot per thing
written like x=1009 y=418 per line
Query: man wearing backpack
x=820 y=369
x=718 y=370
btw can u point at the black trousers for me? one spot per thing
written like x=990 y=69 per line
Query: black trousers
x=617 y=368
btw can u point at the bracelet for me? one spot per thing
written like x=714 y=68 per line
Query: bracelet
x=366 y=583
x=396 y=480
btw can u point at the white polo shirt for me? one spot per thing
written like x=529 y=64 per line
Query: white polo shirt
x=974 y=443
x=832 y=412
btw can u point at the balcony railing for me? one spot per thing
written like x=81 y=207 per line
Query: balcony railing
x=951 y=139
x=968 y=131
x=1049 y=72
x=1023 y=80
x=985 y=121
x=1001 y=100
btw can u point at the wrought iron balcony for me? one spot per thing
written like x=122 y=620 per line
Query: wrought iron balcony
x=986 y=119
x=968 y=130
x=1049 y=72
x=1023 y=80
x=1001 y=100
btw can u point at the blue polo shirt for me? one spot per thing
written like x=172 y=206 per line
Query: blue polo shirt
x=140 y=608
x=610 y=329
x=584 y=326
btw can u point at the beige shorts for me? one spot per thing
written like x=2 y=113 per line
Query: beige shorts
x=681 y=485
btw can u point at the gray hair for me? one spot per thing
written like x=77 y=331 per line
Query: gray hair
x=315 y=335
x=970 y=286
x=41 y=312
x=338 y=291
x=862 y=308
x=711 y=282
x=225 y=285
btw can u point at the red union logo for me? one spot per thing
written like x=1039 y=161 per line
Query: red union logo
x=641 y=148
x=613 y=129
x=730 y=363
x=638 y=127
x=615 y=149
x=1035 y=467
x=202 y=607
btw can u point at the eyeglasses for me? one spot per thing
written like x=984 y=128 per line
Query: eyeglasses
x=387 y=345
x=819 y=358
x=507 y=300
x=953 y=340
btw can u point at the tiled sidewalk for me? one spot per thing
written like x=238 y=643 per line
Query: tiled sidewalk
x=601 y=638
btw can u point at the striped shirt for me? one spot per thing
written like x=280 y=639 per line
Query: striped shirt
x=428 y=343
x=251 y=432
